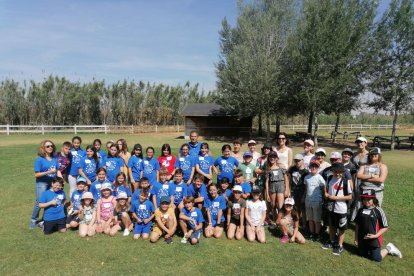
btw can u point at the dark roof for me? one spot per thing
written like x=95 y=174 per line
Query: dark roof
x=205 y=109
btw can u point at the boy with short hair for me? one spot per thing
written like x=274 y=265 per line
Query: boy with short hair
x=64 y=160
x=143 y=213
x=180 y=188
x=165 y=221
x=162 y=188
x=198 y=190
x=248 y=168
x=53 y=201
x=239 y=179
x=237 y=153
x=191 y=221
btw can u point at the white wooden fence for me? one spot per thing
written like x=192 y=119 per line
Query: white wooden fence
x=341 y=127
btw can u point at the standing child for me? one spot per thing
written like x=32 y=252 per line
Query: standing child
x=240 y=180
x=370 y=225
x=53 y=201
x=255 y=217
x=150 y=167
x=120 y=186
x=163 y=188
x=191 y=221
x=180 y=189
x=87 y=216
x=167 y=160
x=248 y=168
x=143 y=213
x=224 y=190
x=186 y=162
x=105 y=212
x=122 y=219
x=198 y=190
x=113 y=163
x=96 y=186
x=64 y=160
x=134 y=166
x=308 y=152
x=297 y=175
x=97 y=144
x=204 y=164
x=337 y=191
x=225 y=164
x=288 y=223
x=165 y=221
x=314 y=187
x=235 y=214
x=215 y=206
x=76 y=155
x=72 y=220
x=89 y=165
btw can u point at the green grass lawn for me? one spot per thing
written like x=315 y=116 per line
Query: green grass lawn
x=31 y=252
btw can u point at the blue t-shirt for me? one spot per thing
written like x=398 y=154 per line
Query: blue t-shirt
x=227 y=192
x=122 y=188
x=113 y=167
x=95 y=189
x=53 y=212
x=135 y=195
x=194 y=149
x=142 y=210
x=159 y=190
x=149 y=168
x=76 y=199
x=134 y=163
x=196 y=193
x=205 y=163
x=102 y=155
x=246 y=188
x=180 y=190
x=186 y=163
x=41 y=164
x=194 y=214
x=89 y=167
x=226 y=167
x=214 y=205
x=75 y=156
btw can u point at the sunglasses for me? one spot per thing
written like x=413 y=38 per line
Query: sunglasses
x=281 y=138
x=164 y=203
x=48 y=146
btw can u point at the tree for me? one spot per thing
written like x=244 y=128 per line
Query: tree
x=391 y=78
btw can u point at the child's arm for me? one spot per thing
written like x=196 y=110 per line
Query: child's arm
x=158 y=175
x=242 y=217
x=246 y=215
x=210 y=223
x=198 y=226
x=131 y=178
x=267 y=189
x=287 y=186
x=379 y=179
x=81 y=173
x=262 y=219
x=191 y=176
x=172 y=205
x=219 y=215
x=377 y=235
x=53 y=202
x=98 y=211
x=149 y=219
x=360 y=174
x=295 y=230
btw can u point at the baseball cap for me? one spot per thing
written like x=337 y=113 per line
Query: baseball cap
x=106 y=186
x=320 y=150
x=361 y=139
x=247 y=154
x=252 y=142
x=122 y=195
x=165 y=199
x=81 y=179
x=87 y=195
x=309 y=141
x=256 y=190
x=289 y=201
x=267 y=146
x=375 y=151
x=238 y=188
x=335 y=155
x=298 y=156
x=338 y=167
x=315 y=163
x=348 y=150
x=368 y=194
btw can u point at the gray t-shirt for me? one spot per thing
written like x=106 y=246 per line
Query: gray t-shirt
x=236 y=208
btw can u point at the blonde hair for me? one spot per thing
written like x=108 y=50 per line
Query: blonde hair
x=42 y=149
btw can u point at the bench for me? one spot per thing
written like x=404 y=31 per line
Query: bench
x=345 y=134
x=303 y=135
x=377 y=140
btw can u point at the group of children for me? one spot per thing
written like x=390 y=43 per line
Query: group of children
x=176 y=195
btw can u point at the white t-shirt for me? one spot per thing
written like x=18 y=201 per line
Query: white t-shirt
x=340 y=205
x=255 y=210
x=307 y=159
x=256 y=156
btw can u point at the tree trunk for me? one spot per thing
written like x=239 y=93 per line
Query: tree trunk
x=278 y=123
x=267 y=127
x=315 y=134
x=260 y=124
x=338 y=116
x=310 y=123
x=394 y=128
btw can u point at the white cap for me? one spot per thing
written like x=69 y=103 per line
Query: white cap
x=289 y=201
x=320 y=150
x=106 y=186
x=252 y=142
x=362 y=139
x=309 y=141
x=238 y=188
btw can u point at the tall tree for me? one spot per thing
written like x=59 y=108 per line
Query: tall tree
x=392 y=73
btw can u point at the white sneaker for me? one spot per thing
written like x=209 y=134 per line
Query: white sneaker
x=393 y=250
x=126 y=232
x=184 y=239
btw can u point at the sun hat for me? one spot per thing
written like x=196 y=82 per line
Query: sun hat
x=121 y=195
x=320 y=150
x=251 y=142
x=106 y=186
x=335 y=155
x=298 y=156
x=87 y=195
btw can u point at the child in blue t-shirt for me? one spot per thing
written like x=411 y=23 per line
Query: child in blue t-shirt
x=143 y=185
x=76 y=155
x=180 y=189
x=163 y=188
x=186 y=162
x=134 y=166
x=191 y=221
x=204 y=164
x=226 y=164
x=72 y=221
x=246 y=186
x=121 y=186
x=89 y=165
x=113 y=163
x=96 y=186
x=215 y=205
x=143 y=213
x=198 y=190
x=224 y=190
x=150 y=166
x=53 y=201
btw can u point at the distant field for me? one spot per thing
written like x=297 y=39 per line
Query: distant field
x=25 y=252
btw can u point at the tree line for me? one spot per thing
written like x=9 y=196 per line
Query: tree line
x=285 y=58
x=59 y=101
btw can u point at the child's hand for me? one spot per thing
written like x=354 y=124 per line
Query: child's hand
x=51 y=171
x=292 y=239
x=356 y=243
x=53 y=202
x=370 y=236
x=139 y=220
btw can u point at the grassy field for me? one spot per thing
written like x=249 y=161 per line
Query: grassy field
x=30 y=252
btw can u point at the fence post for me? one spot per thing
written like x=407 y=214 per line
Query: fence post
x=106 y=129
x=178 y=128
x=132 y=129
x=156 y=128
x=8 y=129
x=76 y=131
x=43 y=130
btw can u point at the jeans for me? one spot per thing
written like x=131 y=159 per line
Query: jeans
x=39 y=189
x=72 y=179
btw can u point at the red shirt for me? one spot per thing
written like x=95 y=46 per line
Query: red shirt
x=167 y=162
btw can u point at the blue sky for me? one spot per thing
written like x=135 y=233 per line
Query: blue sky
x=157 y=41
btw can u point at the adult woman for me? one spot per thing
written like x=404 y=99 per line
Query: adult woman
x=167 y=160
x=359 y=158
x=45 y=170
x=123 y=153
x=373 y=175
x=283 y=151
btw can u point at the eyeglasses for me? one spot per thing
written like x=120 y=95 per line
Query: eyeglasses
x=139 y=149
x=48 y=146
x=281 y=138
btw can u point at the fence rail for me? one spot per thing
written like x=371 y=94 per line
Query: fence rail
x=341 y=127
